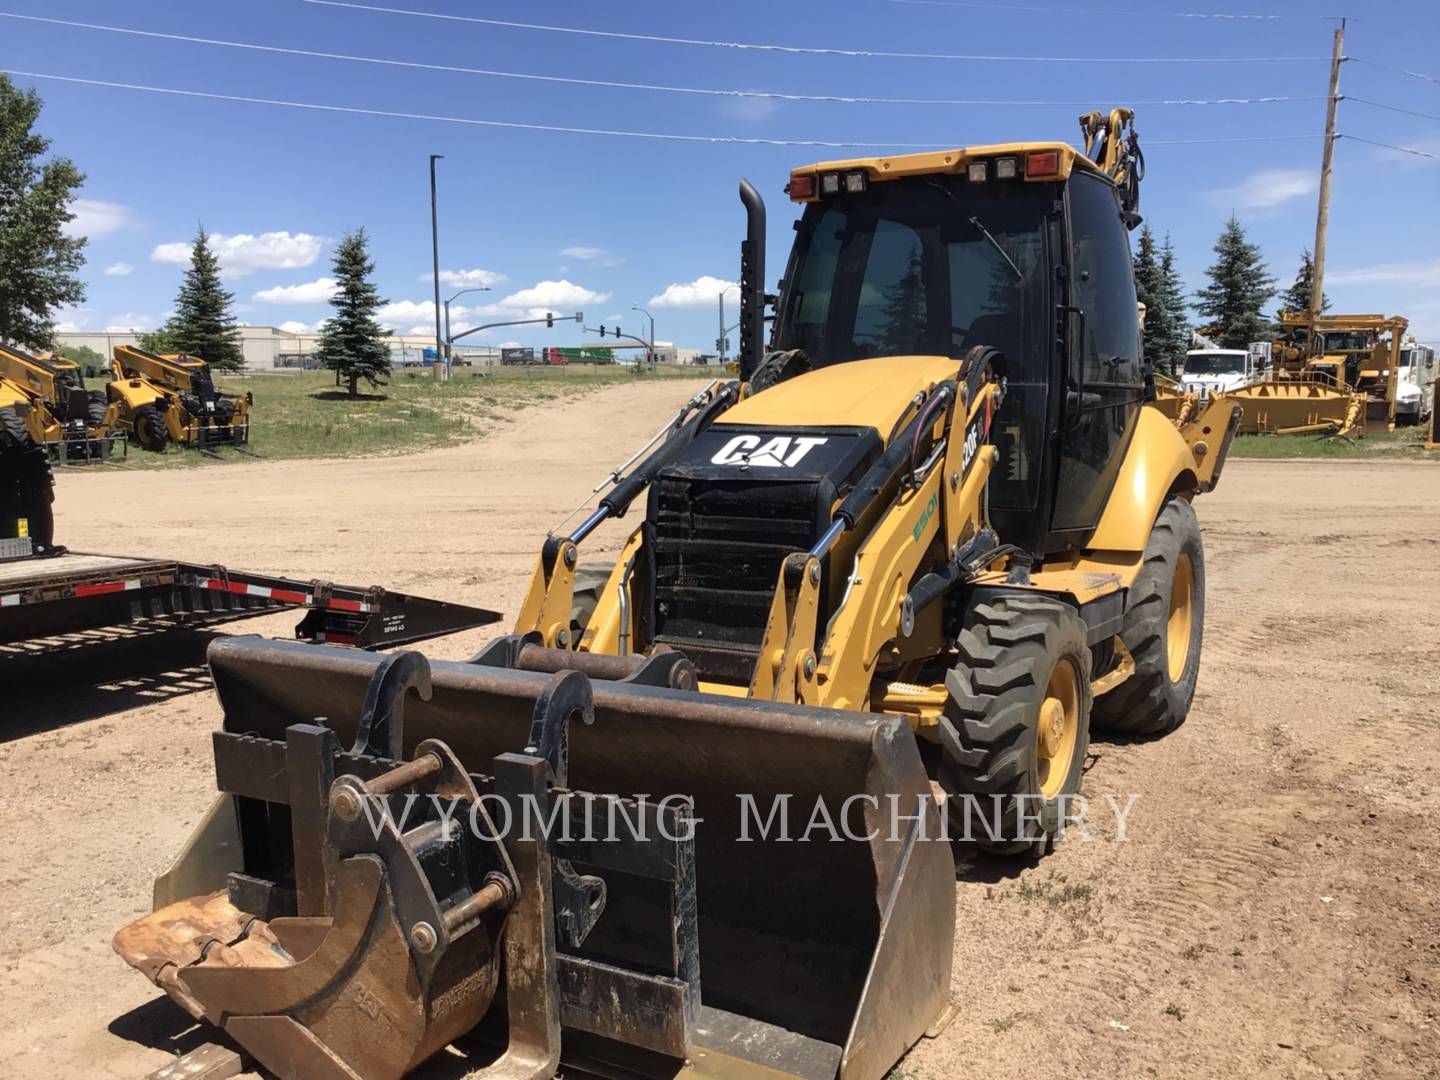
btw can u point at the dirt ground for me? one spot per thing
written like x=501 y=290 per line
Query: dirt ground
x=1273 y=911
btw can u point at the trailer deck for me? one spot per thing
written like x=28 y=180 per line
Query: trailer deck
x=79 y=591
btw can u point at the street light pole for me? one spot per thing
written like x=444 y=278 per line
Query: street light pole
x=448 y=339
x=720 y=342
x=637 y=307
x=435 y=253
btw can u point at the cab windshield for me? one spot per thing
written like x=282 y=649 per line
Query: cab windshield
x=907 y=268
x=1345 y=341
x=1214 y=364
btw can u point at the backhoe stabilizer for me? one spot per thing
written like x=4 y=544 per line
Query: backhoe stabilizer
x=784 y=857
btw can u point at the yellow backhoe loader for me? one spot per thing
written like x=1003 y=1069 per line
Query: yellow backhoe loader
x=690 y=818
x=166 y=399
x=72 y=424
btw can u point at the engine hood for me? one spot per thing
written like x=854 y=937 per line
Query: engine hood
x=869 y=393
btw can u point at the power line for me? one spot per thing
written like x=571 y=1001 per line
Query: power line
x=1391 y=146
x=1391 y=108
x=1394 y=70
x=562 y=129
x=813 y=50
x=1094 y=11
x=574 y=81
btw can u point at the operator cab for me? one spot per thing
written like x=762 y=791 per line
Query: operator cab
x=1023 y=248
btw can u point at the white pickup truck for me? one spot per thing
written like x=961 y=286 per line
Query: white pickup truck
x=1414 y=385
x=1208 y=372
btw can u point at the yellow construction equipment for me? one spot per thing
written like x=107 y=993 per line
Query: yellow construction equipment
x=1336 y=373
x=72 y=424
x=27 y=522
x=166 y=399
x=929 y=535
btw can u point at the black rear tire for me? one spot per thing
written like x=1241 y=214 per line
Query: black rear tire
x=150 y=430
x=13 y=431
x=1156 y=699
x=1017 y=655
x=99 y=405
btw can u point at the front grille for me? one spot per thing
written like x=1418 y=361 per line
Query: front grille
x=718 y=548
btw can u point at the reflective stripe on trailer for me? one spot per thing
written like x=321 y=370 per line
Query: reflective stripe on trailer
x=284 y=596
x=348 y=605
x=101 y=588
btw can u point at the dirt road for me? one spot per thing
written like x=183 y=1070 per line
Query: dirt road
x=1273 y=911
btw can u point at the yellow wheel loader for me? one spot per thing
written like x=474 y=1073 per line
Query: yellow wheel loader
x=166 y=399
x=693 y=817
x=73 y=424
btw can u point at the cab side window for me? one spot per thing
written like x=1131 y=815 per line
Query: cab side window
x=1103 y=380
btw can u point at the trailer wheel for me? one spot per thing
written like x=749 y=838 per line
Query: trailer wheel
x=1017 y=723
x=1163 y=630
x=590 y=579
x=150 y=430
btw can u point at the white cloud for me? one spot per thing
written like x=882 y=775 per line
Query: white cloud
x=561 y=297
x=467 y=279
x=70 y=319
x=244 y=253
x=698 y=293
x=1422 y=274
x=119 y=269
x=409 y=311
x=1266 y=190
x=292 y=326
x=121 y=324
x=421 y=313
x=95 y=218
x=311 y=292
x=595 y=256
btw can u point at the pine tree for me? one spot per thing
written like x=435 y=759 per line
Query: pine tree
x=352 y=343
x=1240 y=286
x=1158 y=287
x=1297 y=297
x=1148 y=292
x=202 y=324
x=1172 y=299
x=38 y=262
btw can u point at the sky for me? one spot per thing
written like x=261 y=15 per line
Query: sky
x=602 y=223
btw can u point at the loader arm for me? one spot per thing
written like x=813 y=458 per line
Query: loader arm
x=551 y=597
x=942 y=503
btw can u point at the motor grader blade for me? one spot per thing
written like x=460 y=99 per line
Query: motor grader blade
x=735 y=888
x=1297 y=406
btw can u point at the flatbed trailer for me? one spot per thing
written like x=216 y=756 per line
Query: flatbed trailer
x=77 y=592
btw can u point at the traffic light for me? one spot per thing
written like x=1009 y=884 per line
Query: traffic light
x=550 y=320
x=602 y=331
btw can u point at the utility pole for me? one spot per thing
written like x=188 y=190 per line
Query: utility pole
x=440 y=373
x=1322 y=218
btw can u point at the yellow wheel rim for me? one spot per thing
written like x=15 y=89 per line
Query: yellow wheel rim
x=1058 y=731
x=1182 y=613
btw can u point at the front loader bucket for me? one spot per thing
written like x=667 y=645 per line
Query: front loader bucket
x=804 y=928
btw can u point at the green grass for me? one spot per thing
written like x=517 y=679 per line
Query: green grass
x=304 y=415
x=1403 y=444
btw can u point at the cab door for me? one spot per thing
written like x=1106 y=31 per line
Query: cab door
x=1102 y=385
